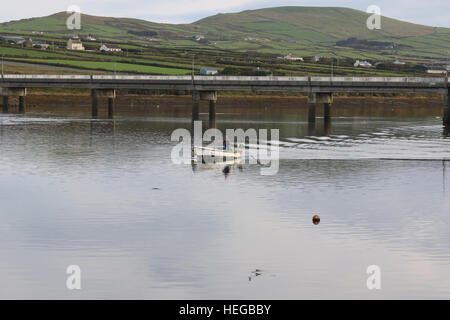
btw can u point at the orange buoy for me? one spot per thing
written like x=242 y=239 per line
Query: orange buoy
x=316 y=220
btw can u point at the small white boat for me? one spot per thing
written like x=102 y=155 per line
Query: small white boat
x=216 y=153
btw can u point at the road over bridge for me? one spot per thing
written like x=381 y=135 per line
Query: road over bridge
x=319 y=89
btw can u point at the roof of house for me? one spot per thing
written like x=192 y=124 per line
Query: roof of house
x=11 y=37
x=75 y=40
x=111 y=46
x=38 y=42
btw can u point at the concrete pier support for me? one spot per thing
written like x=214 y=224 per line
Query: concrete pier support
x=5 y=105
x=18 y=92
x=94 y=107
x=22 y=104
x=195 y=107
x=320 y=97
x=327 y=111
x=312 y=113
x=111 y=108
x=447 y=116
x=446 y=111
x=327 y=118
x=212 y=113
x=103 y=93
x=212 y=110
x=198 y=96
x=311 y=128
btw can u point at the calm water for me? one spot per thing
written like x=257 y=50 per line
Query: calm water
x=105 y=195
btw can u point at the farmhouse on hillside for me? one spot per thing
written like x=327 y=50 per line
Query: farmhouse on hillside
x=198 y=38
x=37 y=43
x=399 y=63
x=438 y=70
x=110 y=48
x=363 y=64
x=75 y=44
x=291 y=57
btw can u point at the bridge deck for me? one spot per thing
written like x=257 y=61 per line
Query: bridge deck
x=220 y=83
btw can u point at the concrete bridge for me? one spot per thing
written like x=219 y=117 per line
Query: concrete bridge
x=319 y=89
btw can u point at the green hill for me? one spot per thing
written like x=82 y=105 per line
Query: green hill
x=310 y=24
x=104 y=27
x=297 y=30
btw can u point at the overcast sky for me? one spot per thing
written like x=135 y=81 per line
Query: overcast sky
x=430 y=12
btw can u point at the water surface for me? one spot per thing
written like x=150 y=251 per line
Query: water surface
x=105 y=195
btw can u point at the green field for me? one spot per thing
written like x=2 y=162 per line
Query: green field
x=107 y=66
x=251 y=39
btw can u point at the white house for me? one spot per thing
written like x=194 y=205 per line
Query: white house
x=399 y=63
x=437 y=70
x=209 y=71
x=75 y=44
x=362 y=64
x=291 y=57
x=37 y=43
x=110 y=48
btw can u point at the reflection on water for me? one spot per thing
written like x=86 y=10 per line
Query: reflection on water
x=104 y=195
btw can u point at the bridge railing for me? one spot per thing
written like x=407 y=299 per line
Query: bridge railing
x=379 y=79
x=197 y=78
x=46 y=76
x=139 y=77
x=412 y=80
x=250 y=78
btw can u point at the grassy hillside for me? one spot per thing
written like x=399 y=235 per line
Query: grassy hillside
x=104 y=27
x=312 y=24
x=249 y=39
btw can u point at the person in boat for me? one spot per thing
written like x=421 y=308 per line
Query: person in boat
x=226 y=170
x=226 y=143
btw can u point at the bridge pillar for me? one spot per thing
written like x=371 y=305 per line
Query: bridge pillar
x=103 y=93
x=212 y=109
x=320 y=97
x=21 y=104
x=18 y=92
x=198 y=96
x=312 y=113
x=5 y=104
x=195 y=105
x=94 y=108
x=311 y=128
x=110 y=107
x=327 y=118
x=327 y=111
x=446 y=113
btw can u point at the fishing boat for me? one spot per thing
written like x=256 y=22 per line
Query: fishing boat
x=217 y=153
